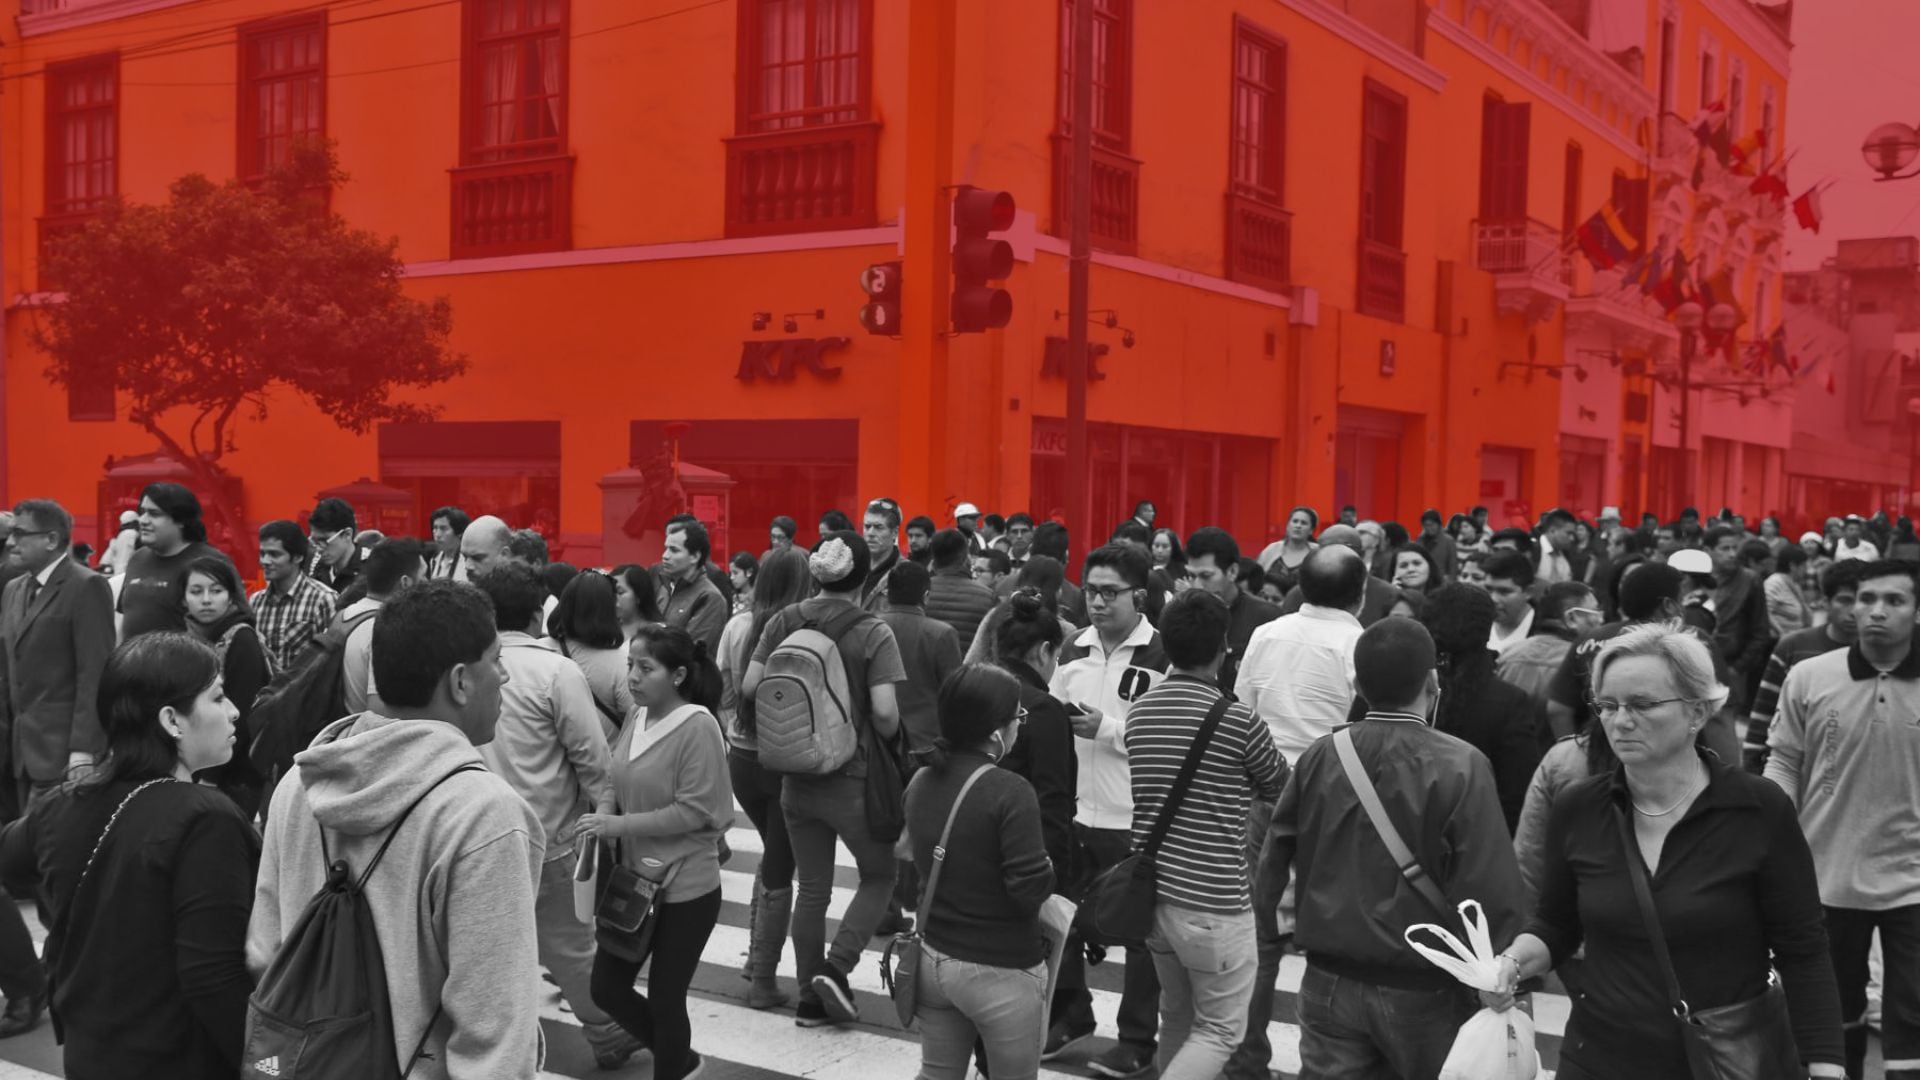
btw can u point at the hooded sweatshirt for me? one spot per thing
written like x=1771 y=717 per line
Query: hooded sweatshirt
x=452 y=899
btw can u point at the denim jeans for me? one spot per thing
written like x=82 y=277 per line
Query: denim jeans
x=1254 y=1056
x=1000 y=1006
x=758 y=792
x=1351 y=1030
x=820 y=810
x=566 y=948
x=1206 y=965
x=1849 y=932
x=1140 y=988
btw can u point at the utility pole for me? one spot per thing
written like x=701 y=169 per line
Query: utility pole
x=1688 y=343
x=922 y=417
x=1080 y=253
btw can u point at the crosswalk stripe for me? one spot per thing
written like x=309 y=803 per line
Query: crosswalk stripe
x=10 y=1071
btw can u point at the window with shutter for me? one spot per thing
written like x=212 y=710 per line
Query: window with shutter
x=282 y=90
x=1259 y=231
x=1505 y=130
x=1570 y=189
x=1383 y=166
x=1115 y=183
x=83 y=137
x=513 y=191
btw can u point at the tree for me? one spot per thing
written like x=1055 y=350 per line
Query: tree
x=198 y=308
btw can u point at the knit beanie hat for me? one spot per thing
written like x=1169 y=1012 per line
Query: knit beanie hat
x=839 y=562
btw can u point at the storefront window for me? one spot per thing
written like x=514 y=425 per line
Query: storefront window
x=754 y=470
x=1193 y=479
x=510 y=469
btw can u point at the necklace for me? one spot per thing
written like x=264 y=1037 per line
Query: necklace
x=1682 y=801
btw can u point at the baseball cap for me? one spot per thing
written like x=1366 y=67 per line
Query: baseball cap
x=1609 y=513
x=1813 y=536
x=965 y=509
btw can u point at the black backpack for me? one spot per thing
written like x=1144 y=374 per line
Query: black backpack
x=321 y=1010
x=310 y=694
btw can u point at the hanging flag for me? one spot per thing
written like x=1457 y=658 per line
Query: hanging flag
x=1777 y=349
x=1708 y=118
x=1806 y=209
x=1671 y=292
x=1745 y=152
x=1637 y=270
x=1720 y=141
x=1650 y=281
x=1772 y=185
x=1604 y=238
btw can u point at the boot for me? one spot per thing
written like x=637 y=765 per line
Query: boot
x=753 y=919
x=763 y=953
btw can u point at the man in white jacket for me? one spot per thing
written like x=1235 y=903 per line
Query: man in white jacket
x=453 y=897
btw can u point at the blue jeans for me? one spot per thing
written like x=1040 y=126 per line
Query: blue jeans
x=820 y=810
x=1206 y=965
x=1252 y=1059
x=1351 y=1030
x=960 y=1001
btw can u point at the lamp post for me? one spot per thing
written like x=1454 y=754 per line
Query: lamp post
x=1722 y=318
x=1890 y=148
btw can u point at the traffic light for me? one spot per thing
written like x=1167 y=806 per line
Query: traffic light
x=881 y=314
x=979 y=260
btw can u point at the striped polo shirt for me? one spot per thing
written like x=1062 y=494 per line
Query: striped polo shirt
x=1203 y=861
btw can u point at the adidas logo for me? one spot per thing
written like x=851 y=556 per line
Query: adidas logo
x=268 y=1066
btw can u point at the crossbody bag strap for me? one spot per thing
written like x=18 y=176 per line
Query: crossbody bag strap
x=1403 y=856
x=940 y=849
x=87 y=870
x=1643 y=897
x=1178 y=793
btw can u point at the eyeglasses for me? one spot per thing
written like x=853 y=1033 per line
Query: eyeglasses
x=1595 y=612
x=1107 y=593
x=17 y=535
x=1607 y=708
x=1020 y=715
x=322 y=539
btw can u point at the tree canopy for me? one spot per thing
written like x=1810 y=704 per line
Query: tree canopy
x=199 y=307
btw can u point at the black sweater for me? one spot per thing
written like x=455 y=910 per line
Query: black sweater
x=1735 y=892
x=996 y=873
x=148 y=969
x=1044 y=755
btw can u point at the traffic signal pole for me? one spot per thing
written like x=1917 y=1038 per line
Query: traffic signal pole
x=1080 y=532
x=922 y=417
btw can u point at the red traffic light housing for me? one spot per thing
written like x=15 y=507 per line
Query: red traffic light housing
x=881 y=313
x=979 y=260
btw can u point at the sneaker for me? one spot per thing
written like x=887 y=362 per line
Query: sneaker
x=614 y=1054
x=892 y=925
x=836 y=996
x=1060 y=1040
x=810 y=1013
x=1123 y=1062
x=695 y=1063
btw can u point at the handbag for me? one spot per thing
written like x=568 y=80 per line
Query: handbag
x=1119 y=904
x=900 y=964
x=1748 y=1040
x=624 y=920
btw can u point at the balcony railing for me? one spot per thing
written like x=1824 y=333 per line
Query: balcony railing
x=1115 y=213
x=802 y=179
x=1259 y=243
x=52 y=228
x=513 y=207
x=1382 y=281
x=1529 y=263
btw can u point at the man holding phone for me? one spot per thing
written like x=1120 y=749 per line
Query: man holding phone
x=1103 y=671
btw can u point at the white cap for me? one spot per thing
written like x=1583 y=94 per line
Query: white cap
x=965 y=509
x=1691 y=561
x=1813 y=536
x=1609 y=513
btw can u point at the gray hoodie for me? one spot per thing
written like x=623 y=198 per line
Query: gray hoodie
x=452 y=900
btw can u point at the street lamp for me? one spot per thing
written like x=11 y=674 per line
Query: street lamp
x=1890 y=148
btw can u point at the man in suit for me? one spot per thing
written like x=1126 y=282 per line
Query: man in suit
x=56 y=631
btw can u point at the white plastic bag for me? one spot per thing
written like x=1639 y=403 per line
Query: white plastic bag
x=1491 y=1045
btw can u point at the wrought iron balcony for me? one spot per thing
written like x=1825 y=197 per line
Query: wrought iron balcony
x=1529 y=264
x=1382 y=281
x=1115 y=214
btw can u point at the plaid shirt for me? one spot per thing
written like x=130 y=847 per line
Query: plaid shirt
x=286 y=623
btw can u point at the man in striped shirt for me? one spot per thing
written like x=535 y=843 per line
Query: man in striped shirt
x=1202 y=940
x=1839 y=583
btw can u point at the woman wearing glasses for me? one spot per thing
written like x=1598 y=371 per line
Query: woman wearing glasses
x=982 y=975
x=1727 y=868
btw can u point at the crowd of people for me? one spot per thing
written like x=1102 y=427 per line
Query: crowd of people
x=1677 y=764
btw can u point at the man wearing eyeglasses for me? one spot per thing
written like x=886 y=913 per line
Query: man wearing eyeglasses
x=56 y=632
x=336 y=559
x=1568 y=610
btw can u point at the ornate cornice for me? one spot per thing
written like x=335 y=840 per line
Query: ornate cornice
x=1754 y=30
x=72 y=13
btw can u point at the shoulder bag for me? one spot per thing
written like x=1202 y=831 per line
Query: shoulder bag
x=1119 y=904
x=1403 y=856
x=628 y=910
x=900 y=964
x=1748 y=1040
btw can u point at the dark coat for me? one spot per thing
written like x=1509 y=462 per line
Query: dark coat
x=51 y=655
x=1044 y=755
x=954 y=598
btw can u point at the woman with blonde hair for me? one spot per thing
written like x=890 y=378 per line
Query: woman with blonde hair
x=1707 y=862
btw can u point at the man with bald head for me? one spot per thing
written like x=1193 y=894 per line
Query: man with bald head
x=485 y=543
x=1379 y=596
x=1297 y=677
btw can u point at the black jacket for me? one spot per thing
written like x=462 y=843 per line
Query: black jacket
x=1044 y=755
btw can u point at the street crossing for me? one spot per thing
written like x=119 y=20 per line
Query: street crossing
x=743 y=1044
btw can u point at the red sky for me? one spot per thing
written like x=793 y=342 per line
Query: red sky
x=1856 y=65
